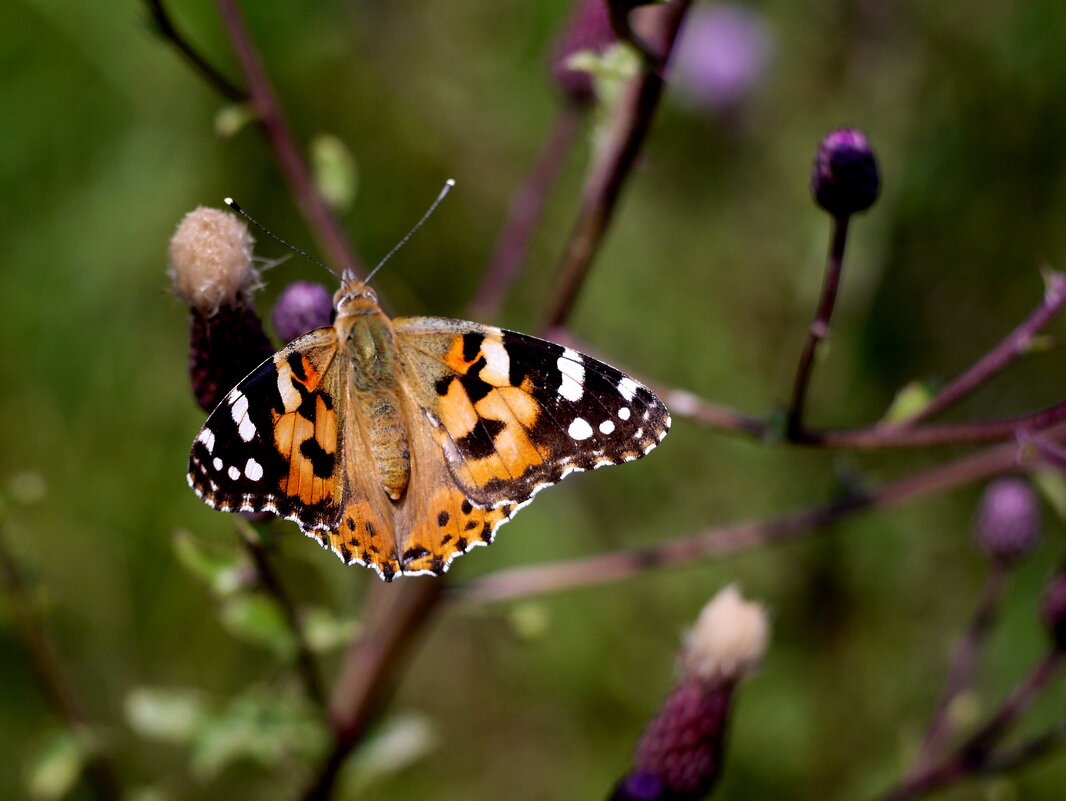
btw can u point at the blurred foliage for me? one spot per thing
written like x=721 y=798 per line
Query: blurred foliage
x=707 y=281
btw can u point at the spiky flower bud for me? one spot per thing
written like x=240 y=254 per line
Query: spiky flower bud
x=1007 y=523
x=302 y=306
x=1053 y=608
x=589 y=28
x=211 y=271
x=845 y=178
x=680 y=754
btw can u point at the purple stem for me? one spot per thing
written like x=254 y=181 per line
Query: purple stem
x=1012 y=346
x=512 y=246
x=316 y=211
x=963 y=665
x=819 y=327
x=617 y=565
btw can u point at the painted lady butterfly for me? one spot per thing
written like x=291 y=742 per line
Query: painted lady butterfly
x=401 y=443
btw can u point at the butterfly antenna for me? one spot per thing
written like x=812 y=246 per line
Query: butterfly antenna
x=233 y=205
x=443 y=193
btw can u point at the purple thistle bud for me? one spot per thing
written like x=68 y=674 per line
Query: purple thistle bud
x=639 y=785
x=211 y=270
x=1053 y=608
x=302 y=307
x=589 y=28
x=721 y=57
x=1007 y=523
x=845 y=179
x=682 y=746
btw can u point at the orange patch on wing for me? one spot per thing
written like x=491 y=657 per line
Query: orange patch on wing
x=457 y=413
x=454 y=357
x=362 y=535
x=449 y=527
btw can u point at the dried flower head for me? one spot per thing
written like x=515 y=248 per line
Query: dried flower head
x=1053 y=608
x=680 y=754
x=211 y=260
x=302 y=306
x=845 y=178
x=1007 y=523
x=211 y=270
x=589 y=29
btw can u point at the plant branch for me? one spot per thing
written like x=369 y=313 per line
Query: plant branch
x=1013 y=345
x=316 y=211
x=819 y=328
x=398 y=612
x=512 y=246
x=963 y=665
x=270 y=581
x=975 y=755
x=164 y=26
x=613 y=165
x=719 y=541
x=49 y=673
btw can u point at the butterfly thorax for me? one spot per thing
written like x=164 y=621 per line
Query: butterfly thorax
x=368 y=341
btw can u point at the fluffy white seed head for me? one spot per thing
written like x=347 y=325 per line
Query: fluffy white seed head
x=728 y=639
x=211 y=260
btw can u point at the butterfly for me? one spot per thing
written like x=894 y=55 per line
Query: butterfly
x=402 y=443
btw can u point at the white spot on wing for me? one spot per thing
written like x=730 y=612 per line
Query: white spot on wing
x=207 y=437
x=239 y=405
x=579 y=429
x=234 y=473
x=497 y=369
x=253 y=470
x=628 y=387
x=624 y=413
x=573 y=373
x=217 y=463
x=607 y=427
x=246 y=429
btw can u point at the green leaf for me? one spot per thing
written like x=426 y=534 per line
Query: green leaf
x=165 y=714
x=54 y=771
x=335 y=171
x=258 y=619
x=1052 y=485
x=231 y=118
x=324 y=631
x=910 y=400
x=224 y=571
x=398 y=743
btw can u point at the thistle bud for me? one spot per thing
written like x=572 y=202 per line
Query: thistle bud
x=589 y=28
x=1053 y=608
x=679 y=756
x=211 y=271
x=1007 y=523
x=845 y=179
x=302 y=307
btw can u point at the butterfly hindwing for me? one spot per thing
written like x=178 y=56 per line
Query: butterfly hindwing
x=514 y=413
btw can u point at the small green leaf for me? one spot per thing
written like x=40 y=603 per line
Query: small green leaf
x=910 y=400
x=55 y=769
x=335 y=171
x=224 y=571
x=1052 y=485
x=398 y=743
x=609 y=70
x=257 y=619
x=165 y=714
x=231 y=118
x=529 y=620
x=324 y=631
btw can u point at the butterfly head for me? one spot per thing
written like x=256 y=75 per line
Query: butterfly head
x=355 y=297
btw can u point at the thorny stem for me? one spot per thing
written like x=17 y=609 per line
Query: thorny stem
x=819 y=327
x=963 y=665
x=604 y=182
x=371 y=668
x=48 y=671
x=165 y=27
x=319 y=216
x=719 y=541
x=975 y=755
x=271 y=583
x=512 y=245
x=1012 y=346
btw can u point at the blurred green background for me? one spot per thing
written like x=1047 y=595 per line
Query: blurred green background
x=707 y=281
